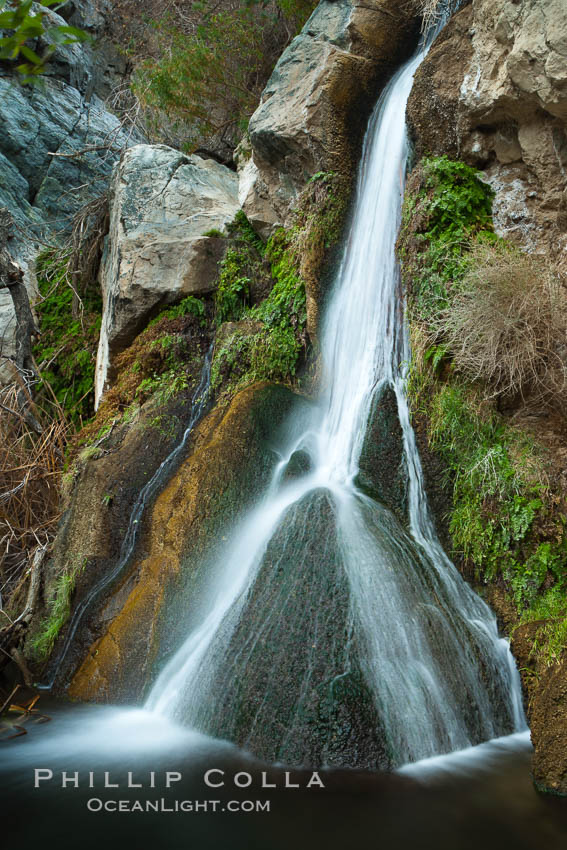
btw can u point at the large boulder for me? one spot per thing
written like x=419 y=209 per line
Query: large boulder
x=314 y=108
x=493 y=91
x=62 y=146
x=163 y=204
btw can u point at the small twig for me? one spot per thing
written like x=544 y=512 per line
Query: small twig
x=90 y=149
x=9 y=700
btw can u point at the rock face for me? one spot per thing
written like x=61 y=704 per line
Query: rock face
x=43 y=180
x=545 y=684
x=548 y=722
x=162 y=205
x=493 y=91
x=382 y=469
x=229 y=463
x=288 y=687
x=314 y=108
x=43 y=130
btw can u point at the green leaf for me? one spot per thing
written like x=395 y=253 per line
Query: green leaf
x=7 y=20
x=79 y=34
x=22 y=11
x=31 y=55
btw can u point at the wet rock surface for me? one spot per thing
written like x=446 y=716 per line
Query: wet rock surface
x=382 y=469
x=144 y=619
x=106 y=482
x=289 y=687
x=545 y=685
x=299 y=464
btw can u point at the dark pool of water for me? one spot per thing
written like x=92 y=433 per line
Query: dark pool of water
x=481 y=799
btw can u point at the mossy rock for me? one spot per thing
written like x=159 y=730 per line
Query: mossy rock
x=298 y=465
x=229 y=463
x=382 y=468
x=288 y=684
x=102 y=487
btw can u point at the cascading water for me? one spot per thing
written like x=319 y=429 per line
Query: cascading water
x=332 y=633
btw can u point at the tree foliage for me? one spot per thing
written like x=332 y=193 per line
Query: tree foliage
x=208 y=82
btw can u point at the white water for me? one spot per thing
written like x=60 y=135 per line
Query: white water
x=442 y=679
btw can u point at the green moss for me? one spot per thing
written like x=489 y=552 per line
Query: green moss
x=163 y=387
x=241 y=228
x=189 y=306
x=233 y=287
x=322 y=207
x=161 y=364
x=284 y=307
x=241 y=265
x=59 y=607
x=271 y=354
x=505 y=520
x=551 y=636
x=500 y=508
x=272 y=350
x=450 y=206
x=165 y=425
x=66 y=350
x=459 y=203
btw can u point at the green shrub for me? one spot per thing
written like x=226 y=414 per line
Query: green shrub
x=207 y=82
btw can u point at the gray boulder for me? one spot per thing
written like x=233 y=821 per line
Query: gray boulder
x=63 y=146
x=314 y=108
x=162 y=205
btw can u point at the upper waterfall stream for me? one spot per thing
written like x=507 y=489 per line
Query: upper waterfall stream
x=331 y=632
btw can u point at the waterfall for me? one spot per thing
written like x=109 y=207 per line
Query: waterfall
x=331 y=631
